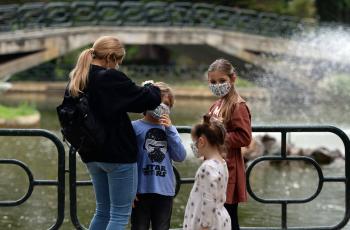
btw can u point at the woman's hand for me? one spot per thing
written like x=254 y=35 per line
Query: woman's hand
x=134 y=203
x=165 y=120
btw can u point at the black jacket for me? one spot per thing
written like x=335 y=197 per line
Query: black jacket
x=111 y=95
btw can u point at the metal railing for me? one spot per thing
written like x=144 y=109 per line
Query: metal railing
x=283 y=130
x=132 y=13
x=59 y=183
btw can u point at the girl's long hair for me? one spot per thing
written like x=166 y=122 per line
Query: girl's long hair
x=108 y=48
x=232 y=98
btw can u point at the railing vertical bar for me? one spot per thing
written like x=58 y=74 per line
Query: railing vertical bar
x=284 y=215
x=347 y=175
x=73 y=189
x=284 y=144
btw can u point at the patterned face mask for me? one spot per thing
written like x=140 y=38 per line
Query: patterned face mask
x=159 y=111
x=220 y=90
x=195 y=149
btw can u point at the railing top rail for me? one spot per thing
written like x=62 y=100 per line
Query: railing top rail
x=131 y=13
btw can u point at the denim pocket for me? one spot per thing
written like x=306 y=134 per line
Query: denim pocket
x=109 y=167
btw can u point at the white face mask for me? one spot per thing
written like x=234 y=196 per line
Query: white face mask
x=195 y=149
x=220 y=90
x=159 y=111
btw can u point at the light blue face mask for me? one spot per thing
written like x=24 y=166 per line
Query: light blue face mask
x=220 y=90
x=159 y=111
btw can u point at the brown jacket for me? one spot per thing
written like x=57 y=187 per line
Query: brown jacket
x=239 y=134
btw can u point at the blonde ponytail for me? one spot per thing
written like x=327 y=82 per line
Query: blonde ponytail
x=106 y=48
x=79 y=75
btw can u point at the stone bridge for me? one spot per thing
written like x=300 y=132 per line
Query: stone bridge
x=31 y=34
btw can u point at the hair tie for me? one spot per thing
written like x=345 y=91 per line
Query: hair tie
x=206 y=119
x=92 y=51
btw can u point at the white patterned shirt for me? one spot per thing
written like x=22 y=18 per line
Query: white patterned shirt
x=205 y=206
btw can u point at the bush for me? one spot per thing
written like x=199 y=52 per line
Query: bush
x=337 y=85
x=13 y=112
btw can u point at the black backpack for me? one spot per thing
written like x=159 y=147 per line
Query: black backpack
x=79 y=126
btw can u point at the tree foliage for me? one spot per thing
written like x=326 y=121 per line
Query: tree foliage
x=334 y=10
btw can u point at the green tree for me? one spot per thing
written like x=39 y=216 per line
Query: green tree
x=302 y=8
x=333 y=11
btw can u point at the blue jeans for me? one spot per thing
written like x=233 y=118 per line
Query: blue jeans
x=115 y=188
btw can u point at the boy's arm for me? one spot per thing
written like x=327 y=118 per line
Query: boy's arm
x=176 y=149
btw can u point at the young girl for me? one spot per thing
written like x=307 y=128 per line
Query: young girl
x=159 y=144
x=205 y=207
x=233 y=112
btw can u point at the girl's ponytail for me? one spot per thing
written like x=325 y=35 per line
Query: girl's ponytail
x=214 y=131
x=79 y=75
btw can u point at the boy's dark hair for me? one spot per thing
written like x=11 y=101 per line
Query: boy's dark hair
x=214 y=131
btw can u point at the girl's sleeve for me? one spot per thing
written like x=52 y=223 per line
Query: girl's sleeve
x=143 y=98
x=209 y=185
x=176 y=149
x=240 y=134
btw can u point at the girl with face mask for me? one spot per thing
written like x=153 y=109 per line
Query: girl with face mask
x=205 y=207
x=232 y=111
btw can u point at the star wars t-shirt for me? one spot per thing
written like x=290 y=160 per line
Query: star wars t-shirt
x=157 y=148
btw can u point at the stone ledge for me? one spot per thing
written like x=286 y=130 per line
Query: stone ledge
x=197 y=92
x=29 y=121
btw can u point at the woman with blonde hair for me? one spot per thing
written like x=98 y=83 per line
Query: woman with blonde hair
x=112 y=164
x=233 y=112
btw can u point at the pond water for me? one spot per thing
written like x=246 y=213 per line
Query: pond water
x=295 y=180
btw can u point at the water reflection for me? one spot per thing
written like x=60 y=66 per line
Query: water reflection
x=297 y=180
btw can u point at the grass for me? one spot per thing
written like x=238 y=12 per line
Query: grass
x=13 y=112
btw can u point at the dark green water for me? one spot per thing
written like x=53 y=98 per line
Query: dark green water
x=296 y=180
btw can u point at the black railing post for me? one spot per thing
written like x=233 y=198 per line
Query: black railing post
x=73 y=189
x=59 y=183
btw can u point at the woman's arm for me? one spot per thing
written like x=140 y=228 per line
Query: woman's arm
x=118 y=93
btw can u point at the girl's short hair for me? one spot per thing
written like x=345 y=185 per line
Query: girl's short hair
x=214 y=131
x=166 y=90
